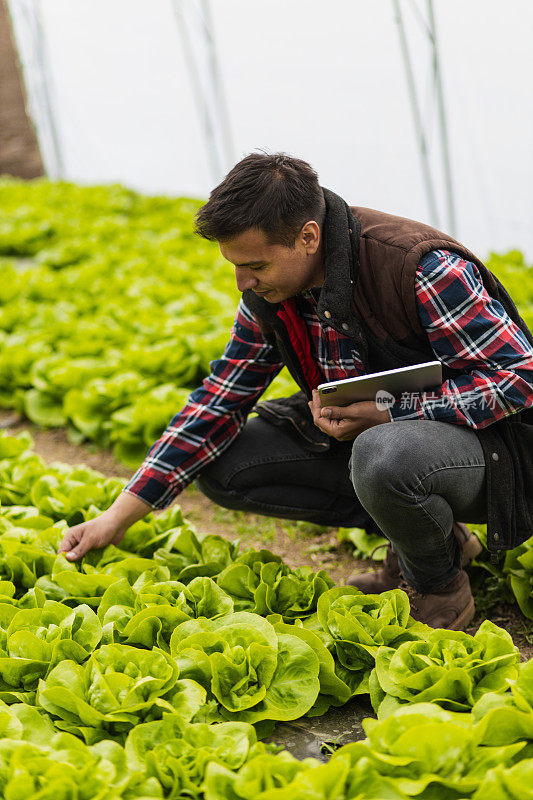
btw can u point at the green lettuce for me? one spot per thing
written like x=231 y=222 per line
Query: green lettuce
x=422 y=751
x=118 y=687
x=27 y=556
x=154 y=531
x=256 y=778
x=333 y=690
x=252 y=671
x=38 y=762
x=507 y=717
x=359 y=624
x=147 y=613
x=510 y=783
x=450 y=668
x=87 y=580
x=189 y=555
x=258 y=581
x=518 y=569
x=36 y=639
x=365 y=545
x=178 y=754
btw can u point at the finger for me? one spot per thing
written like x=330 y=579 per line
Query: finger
x=78 y=551
x=70 y=539
x=338 y=428
x=331 y=427
x=334 y=412
x=75 y=544
x=314 y=406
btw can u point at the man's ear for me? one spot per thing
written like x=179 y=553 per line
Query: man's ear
x=310 y=235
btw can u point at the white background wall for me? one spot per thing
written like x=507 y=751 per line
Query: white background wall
x=323 y=81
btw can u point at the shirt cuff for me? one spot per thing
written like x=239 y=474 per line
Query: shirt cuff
x=407 y=408
x=144 y=499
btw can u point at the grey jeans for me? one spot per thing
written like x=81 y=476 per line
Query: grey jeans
x=407 y=480
x=415 y=477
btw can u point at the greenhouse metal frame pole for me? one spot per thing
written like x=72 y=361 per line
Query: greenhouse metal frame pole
x=443 y=124
x=209 y=100
x=428 y=181
x=222 y=106
x=201 y=100
x=42 y=63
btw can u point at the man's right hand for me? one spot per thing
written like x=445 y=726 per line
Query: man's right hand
x=95 y=533
x=108 y=528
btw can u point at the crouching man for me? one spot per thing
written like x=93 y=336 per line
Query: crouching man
x=333 y=291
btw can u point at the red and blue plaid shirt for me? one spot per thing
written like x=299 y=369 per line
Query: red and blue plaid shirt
x=467 y=329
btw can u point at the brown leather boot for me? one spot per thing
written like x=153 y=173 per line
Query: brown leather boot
x=381 y=580
x=389 y=576
x=451 y=607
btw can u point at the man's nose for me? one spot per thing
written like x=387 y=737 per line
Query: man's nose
x=245 y=279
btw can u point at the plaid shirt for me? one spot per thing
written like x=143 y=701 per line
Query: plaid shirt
x=467 y=330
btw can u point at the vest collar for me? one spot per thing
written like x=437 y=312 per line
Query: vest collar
x=341 y=233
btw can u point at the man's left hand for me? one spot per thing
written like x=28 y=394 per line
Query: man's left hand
x=347 y=422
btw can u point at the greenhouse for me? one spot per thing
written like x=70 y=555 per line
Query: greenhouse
x=198 y=600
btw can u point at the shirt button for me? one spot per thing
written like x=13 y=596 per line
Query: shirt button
x=495 y=457
x=496 y=537
x=327 y=314
x=345 y=326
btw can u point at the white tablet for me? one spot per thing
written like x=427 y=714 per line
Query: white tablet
x=415 y=378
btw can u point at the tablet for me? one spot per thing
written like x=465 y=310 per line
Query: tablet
x=415 y=378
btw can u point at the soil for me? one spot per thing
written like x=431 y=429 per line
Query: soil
x=298 y=543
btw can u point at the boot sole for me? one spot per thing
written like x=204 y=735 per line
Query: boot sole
x=464 y=618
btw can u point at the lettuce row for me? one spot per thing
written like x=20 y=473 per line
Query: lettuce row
x=75 y=262
x=164 y=758
x=419 y=751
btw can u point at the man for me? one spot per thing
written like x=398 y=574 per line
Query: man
x=332 y=292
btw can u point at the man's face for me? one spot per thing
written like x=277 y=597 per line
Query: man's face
x=274 y=271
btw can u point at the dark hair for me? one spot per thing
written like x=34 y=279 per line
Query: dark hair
x=273 y=192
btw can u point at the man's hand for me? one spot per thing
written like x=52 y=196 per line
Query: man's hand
x=94 y=534
x=108 y=528
x=347 y=422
